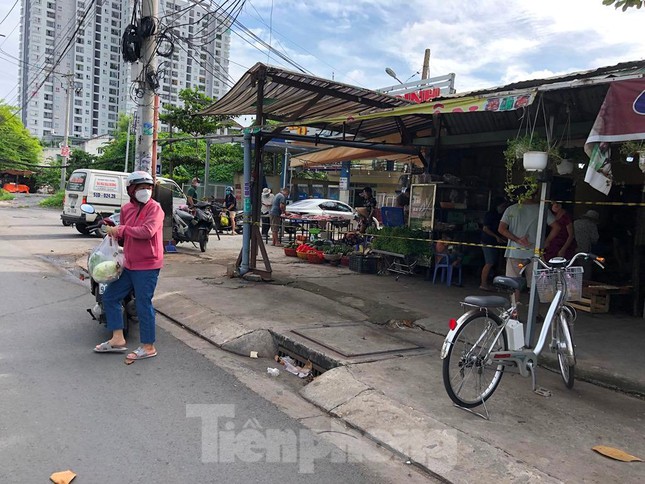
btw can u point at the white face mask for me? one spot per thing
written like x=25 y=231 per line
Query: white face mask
x=143 y=195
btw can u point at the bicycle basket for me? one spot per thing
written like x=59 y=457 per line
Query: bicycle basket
x=546 y=279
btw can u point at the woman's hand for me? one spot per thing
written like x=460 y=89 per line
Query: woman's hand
x=112 y=231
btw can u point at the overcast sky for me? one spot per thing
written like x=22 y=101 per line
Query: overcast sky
x=485 y=43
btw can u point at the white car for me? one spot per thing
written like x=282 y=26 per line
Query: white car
x=322 y=206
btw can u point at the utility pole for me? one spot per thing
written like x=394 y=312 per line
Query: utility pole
x=149 y=82
x=64 y=150
x=127 y=144
x=425 y=72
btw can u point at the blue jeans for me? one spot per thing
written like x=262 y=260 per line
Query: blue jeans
x=144 y=284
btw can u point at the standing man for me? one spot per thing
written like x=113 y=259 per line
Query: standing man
x=586 y=233
x=191 y=194
x=519 y=225
x=490 y=236
x=367 y=210
x=277 y=209
x=230 y=202
x=267 y=202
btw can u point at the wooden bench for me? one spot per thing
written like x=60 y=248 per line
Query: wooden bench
x=596 y=296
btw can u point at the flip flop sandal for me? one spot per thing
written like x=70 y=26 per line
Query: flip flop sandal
x=108 y=348
x=140 y=354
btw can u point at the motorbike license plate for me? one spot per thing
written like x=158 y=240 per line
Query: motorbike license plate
x=102 y=287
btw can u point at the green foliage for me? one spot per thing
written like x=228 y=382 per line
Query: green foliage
x=77 y=159
x=623 y=4
x=17 y=146
x=513 y=156
x=335 y=249
x=402 y=240
x=186 y=117
x=632 y=147
x=312 y=175
x=55 y=201
x=5 y=195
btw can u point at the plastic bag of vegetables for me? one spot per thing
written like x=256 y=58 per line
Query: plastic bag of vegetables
x=105 y=263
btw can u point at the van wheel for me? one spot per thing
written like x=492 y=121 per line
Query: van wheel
x=82 y=228
x=66 y=223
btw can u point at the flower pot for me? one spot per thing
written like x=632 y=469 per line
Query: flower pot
x=289 y=252
x=535 y=160
x=564 y=167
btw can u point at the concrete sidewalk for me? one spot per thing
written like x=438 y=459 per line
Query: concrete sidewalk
x=376 y=342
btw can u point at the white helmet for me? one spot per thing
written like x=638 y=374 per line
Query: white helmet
x=139 y=178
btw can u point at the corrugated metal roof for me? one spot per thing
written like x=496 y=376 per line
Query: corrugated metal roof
x=291 y=96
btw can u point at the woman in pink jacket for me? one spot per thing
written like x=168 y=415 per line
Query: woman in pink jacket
x=141 y=229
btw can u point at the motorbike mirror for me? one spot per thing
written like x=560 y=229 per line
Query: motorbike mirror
x=87 y=208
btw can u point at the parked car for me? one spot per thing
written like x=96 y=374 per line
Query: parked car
x=15 y=188
x=322 y=206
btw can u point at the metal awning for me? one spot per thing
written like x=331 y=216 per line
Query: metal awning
x=292 y=96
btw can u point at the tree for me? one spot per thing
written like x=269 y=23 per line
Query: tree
x=17 y=146
x=113 y=157
x=77 y=159
x=186 y=117
x=623 y=4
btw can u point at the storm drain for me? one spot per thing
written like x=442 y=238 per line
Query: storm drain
x=316 y=370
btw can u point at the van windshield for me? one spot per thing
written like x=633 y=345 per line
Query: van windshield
x=76 y=181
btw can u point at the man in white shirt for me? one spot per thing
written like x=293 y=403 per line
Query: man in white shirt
x=519 y=225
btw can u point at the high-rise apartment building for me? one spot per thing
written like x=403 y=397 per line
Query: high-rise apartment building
x=93 y=71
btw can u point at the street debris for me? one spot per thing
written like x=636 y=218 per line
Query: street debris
x=401 y=323
x=615 y=454
x=273 y=371
x=291 y=366
x=62 y=477
x=254 y=354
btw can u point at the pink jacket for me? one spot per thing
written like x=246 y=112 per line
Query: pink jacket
x=141 y=227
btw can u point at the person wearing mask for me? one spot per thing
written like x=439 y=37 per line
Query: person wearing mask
x=191 y=194
x=367 y=211
x=266 y=201
x=277 y=209
x=230 y=202
x=490 y=236
x=519 y=224
x=141 y=230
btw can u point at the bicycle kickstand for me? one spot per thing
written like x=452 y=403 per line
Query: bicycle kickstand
x=543 y=392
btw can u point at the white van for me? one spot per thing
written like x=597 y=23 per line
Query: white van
x=106 y=192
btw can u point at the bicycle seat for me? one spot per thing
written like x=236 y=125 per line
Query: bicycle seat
x=487 y=301
x=511 y=283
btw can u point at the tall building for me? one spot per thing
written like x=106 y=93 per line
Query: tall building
x=93 y=71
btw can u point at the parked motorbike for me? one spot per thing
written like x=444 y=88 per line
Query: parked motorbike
x=98 y=288
x=223 y=219
x=95 y=221
x=194 y=225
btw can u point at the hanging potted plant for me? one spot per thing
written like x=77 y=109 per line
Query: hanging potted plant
x=535 y=153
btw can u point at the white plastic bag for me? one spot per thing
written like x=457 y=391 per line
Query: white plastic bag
x=105 y=263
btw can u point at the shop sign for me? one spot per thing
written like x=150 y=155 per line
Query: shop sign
x=343 y=183
x=422 y=95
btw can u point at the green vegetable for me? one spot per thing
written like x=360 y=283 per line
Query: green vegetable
x=106 y=271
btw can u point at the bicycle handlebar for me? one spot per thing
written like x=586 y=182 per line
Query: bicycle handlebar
x=586 y=255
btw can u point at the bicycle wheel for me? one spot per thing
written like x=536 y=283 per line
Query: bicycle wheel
x=468 y=379
x=564 y=349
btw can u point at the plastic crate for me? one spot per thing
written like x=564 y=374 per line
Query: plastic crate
x=363 y=264
x=546 y=279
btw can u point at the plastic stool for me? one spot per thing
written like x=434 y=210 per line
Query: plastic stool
x=442 y=263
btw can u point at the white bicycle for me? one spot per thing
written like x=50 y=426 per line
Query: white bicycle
x=489 y=337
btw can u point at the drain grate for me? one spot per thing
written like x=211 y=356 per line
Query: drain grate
x=316 y=370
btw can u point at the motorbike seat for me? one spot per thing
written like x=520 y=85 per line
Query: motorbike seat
x=184 y=215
